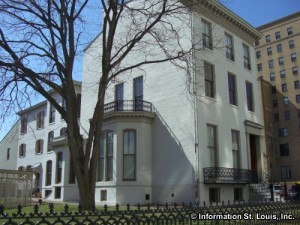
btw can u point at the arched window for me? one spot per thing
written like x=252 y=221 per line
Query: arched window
x=48 y=173
x=39 y=146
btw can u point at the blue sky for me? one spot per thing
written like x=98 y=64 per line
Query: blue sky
x=255 y=12
x=259 y=12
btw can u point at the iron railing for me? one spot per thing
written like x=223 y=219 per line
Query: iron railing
x=221 y=175
x=128 y=106
x=223 y=213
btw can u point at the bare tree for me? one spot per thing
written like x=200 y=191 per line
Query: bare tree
x=38 y=47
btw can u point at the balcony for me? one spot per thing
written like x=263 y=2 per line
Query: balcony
x=222 y=175
x=123 y=108
x=58 y=141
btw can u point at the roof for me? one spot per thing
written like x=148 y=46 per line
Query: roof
x=279 y=21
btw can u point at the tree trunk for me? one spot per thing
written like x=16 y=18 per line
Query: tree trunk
x=86 y=193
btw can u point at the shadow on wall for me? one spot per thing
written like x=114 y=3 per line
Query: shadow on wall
x=173 y=175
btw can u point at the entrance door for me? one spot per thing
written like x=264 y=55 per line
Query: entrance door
x=253 y=154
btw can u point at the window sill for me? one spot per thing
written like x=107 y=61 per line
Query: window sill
x=234 y=106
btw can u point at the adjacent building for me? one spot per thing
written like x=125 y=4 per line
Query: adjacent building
x=277 y=55
x=9 y=148
x=40 y=145
x=162 y=142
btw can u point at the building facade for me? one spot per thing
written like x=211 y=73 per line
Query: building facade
x=277 y=55
x=43 y=149
x=162 y=142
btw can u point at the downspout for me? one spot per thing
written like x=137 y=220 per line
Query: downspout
x=194 y=83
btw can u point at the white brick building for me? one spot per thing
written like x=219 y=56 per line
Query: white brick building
x=42 y=148
x=163 y=143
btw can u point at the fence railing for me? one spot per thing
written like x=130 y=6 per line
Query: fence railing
x=228 y=175
x=247 y=213
x=129 y=106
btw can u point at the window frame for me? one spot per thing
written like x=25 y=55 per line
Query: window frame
x=207 y=40
x=236 y=150
x=212 y=145
x=280 y=61
x=289 y=31
x=279 y=48
x=133 y=155
x=59 y=167
x=246 y=56
x=51 y=113
x=250 y=97
x=232 y=89
x=39 y=146
x=24 y=123
x=40 y=120
x=22 y=150
x=272 y=76
x=229 y=44
x=277 y=35
x=291 y=44
x=48 y=175
x=209 y=83
x=293 y=57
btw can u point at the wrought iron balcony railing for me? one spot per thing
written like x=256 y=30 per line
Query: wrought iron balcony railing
x=128 y=106
x=222 y=175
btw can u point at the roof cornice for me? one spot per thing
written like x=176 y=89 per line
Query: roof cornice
x=279 y=21
x=222 y=12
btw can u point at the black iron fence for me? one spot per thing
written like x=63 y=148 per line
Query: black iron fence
x=229 y=175
x=128 y=105
x=250 y=213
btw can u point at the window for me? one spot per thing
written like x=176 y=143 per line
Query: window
x=129 y=155
x=284 y=149
x=52 y=114
x=286 y=172
x=232 y=89
x=259 y=67
x=59 y=161
x=284 y=87
x=295 y=70
x=293 y=57
x=138 y=90
x=249 y=93
x=209 y=80
x=282 y=73
x=212 y=144
x=229 y=47
x=206 y=34
x=235 y=137
x=39 y=146
x=290 y=31
x=8 y=154
x=63 y=105
x=214 y=195
x=246 y=56
x=119 y=96
x=271 y=64
x=285 y=100
x=40 y=120
x=298 y=98
x=276 y=117
x=24 y=125
x=269 y=51
x=298 y=113
x=296 y=84
x=105 y=168
x=277 y=34
x=48 y=173
x=287 y=115
x=268 y=38
x=275 y=103
x=22 y=150
x=279 y=48
x=57 y=192
x=78 y=105
x=103 y=195
x=291 y=44
x=273 y=90
x=238 y=194
x=71 y=172
x=258 y=54
x=256 y=42
x=50 y=136
x=280 y=61
x=272 y=76
x=63 y=132
x=283 y=132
